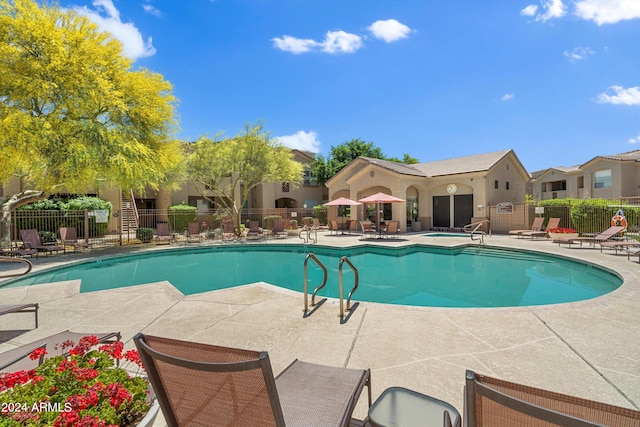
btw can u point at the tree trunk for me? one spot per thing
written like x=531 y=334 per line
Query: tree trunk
x=14 y=202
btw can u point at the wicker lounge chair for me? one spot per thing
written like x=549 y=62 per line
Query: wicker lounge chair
x=17 y=359
x=602 y=237
x=69 y=237
x=20 y=308
x=498 y=403
x=536 y=226
x=198 y=383
x=31 y=240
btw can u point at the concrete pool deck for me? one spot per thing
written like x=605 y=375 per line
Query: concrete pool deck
x=589 y=349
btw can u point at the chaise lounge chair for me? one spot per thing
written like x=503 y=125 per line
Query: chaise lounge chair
x=497 y=403
x=17 y=359
x=255 y=232
x=278 y=229
x=69 y=237
x=31 y=240
x=20 y=308
x=163 y=233
x=602 y=237
x=198 y=383
x=193 y=232
x=393 y=229
x=536 y=226
x=553 y=223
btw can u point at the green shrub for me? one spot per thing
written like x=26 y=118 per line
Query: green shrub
x=307 y=220
x=144 y=234
x=180 y=216
x=321 y=213
x=293 y=224
x=268 y=221
x=47 y=237
x=90 y=204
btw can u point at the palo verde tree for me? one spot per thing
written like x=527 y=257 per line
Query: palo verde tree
x=323 y=169
x=72 y=109
x=226 y=170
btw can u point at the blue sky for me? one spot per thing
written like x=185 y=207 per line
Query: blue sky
x=558 y=81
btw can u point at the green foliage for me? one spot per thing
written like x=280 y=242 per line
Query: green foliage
x=268 y=221
x=144 y=234
x=589 y=215
x=180 y=216
x=83 y=388
x=88 y=203
x=293 y=224
x=43 y=205
x=324 y=169
x=223 y=168
x=73 y=111
x=321 y=213
x=47 y=237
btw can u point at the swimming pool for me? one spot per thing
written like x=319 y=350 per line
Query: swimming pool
x=419 y=275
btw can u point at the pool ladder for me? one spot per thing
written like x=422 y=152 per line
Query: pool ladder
x=477 y=230
x=306 y=229
x=343 y=260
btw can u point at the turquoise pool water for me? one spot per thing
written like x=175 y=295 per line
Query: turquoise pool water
x=414 y=275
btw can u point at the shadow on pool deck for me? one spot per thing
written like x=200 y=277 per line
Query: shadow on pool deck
x=588 y=349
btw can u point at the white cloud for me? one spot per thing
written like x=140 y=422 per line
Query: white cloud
x=341 y=42
x=507 y=97
x=578 y=53
x=553 y=9
x=389 y=30
x=293 y=45
x=620 y=96
x=107 y=17
x=151 y=10
x=607 y=11
x=529 y=10
x=635 y=140
x=301 y=140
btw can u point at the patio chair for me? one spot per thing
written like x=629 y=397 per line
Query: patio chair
x=553 y=223
x=393 y=229
x=498 y=403
x=193 y=232
x=333 y=227
x=255 y=232
x=163 y=233
x=197 y=383
x=20 y=308
x=228 y=230
x=17 y=359
x=69 y=237
x=278 y=229
x=602 y=237
x=31 y=240
x=368 y=229
x=536 y=226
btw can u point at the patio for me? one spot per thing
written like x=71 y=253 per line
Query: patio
x=588 y=349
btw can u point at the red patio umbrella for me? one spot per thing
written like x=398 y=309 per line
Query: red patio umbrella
x=342 y=201
x=380 y=198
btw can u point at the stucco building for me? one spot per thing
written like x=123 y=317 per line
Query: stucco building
x=445 y=193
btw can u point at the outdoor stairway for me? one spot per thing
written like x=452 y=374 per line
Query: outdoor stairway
x=129 y=214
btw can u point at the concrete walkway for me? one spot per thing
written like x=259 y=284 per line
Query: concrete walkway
x=589 y=349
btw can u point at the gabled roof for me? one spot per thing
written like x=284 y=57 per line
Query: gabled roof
x=401 y=168
x=458 y=165
x=629 y=155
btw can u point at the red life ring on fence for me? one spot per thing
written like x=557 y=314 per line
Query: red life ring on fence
x=619 y=221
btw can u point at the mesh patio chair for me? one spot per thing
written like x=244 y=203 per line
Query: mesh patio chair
x=254 y=232
x=17 y=359
x=197 y=384
x=193 y=232
x=163 y=233
x=278 y=229
x=31 y=240
x=536 y=226
x=497 y=403
x=69 y=237
x=600 y=238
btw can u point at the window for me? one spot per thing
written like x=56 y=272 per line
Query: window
x=308 y=179
x=285 y=187
x=507 y=185
x=496 y=184
x=581 y=182
x=602 y=179
x=558 y=185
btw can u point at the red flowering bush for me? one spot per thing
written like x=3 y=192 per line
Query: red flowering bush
x=82 y=389
x=561 y=230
